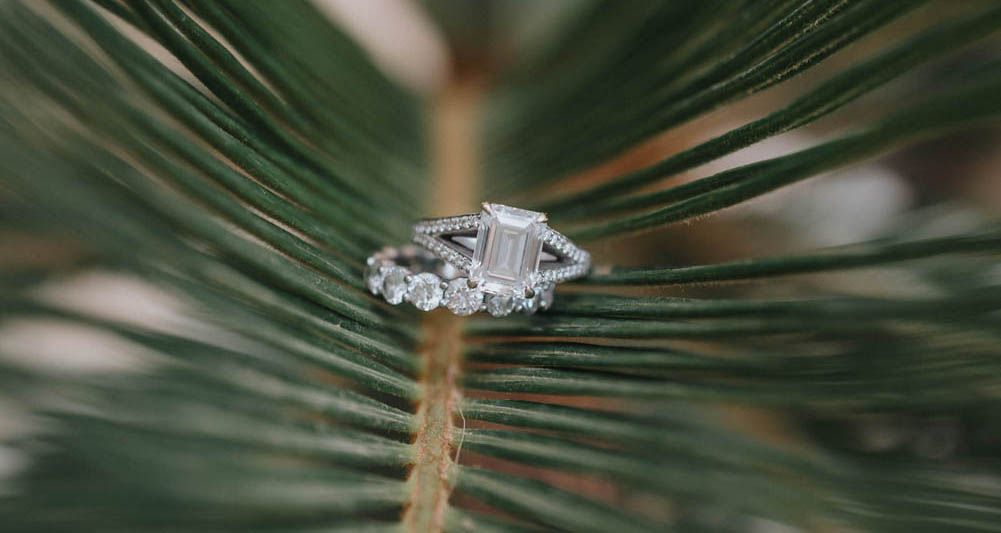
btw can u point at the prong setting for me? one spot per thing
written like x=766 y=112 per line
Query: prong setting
x=511 y=265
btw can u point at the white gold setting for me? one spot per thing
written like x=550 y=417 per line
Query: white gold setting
x=410 y=274
x=502 y=260
x=499 y=245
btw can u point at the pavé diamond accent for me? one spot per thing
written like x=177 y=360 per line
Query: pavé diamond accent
x=459 y=223
x=461 y=299
x=439 y=249
x=394 y=283
x=546 y=296
x=424 y=291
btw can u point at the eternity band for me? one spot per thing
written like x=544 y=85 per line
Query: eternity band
x=502 y=260
x=414 y=275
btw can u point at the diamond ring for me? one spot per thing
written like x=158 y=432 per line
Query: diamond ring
x=501 y=260
x=412 y=274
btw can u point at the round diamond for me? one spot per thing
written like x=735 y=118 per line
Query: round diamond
x=542 y=299
x=461 y=299
x=373 y=276
x=394 y=283
x=529 y=305
x=499 y=305
x=424 y=291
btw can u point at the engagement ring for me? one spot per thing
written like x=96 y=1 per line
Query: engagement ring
x=502 y=260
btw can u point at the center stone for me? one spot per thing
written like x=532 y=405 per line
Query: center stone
x=508 y=248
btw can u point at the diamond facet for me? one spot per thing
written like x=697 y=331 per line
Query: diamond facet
x=508 y=249
x=461 y=299
x=394 y=283
x=424 y=291
x=373 y=276
x=499 y=305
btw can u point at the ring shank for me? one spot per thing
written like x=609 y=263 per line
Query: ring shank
x=437 y=235
x=413 y=274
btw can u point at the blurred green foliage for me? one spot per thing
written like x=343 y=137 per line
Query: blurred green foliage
x=250 y=185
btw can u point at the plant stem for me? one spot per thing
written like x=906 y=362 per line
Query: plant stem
x=452 y=192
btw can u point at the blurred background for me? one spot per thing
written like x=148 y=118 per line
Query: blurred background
x=123 y=306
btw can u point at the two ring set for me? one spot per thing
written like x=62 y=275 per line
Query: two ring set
x=502 y=260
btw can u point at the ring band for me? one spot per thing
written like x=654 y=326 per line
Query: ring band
x=502 y=260
x=508 y=249
x=412 y=274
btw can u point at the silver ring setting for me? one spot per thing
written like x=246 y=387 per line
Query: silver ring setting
x=502 y=260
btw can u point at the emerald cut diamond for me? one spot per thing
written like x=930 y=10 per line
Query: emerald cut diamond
x=508 y=249
x=500 y=260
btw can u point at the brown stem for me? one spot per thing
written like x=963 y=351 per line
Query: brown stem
x=431 y=479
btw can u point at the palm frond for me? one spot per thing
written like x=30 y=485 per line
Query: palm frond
x=190 y=190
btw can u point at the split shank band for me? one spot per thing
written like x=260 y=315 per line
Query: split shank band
x=501 y=260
